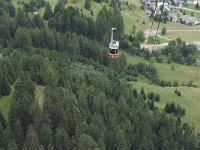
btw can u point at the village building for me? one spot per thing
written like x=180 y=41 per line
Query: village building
x=172 y=17
x=185 y=19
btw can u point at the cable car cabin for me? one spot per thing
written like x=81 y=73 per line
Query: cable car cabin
x=113 y=50
x=113 y=47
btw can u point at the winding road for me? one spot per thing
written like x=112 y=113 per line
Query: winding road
x=152 y=47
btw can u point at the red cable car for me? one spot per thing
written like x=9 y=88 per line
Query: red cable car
x=113 y=47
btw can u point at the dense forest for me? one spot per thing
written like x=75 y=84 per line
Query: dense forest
x=89 y=102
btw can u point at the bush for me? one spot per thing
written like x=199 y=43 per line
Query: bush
x=190 y=84
x=178 y=93
x=171 y=108
x=172 y=68
x=159 y=59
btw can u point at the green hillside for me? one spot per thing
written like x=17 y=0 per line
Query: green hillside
x=182 y=73
x=190 y=99
x=130 y=16
x=5 y=101
x=136 y=17
x=90 y=101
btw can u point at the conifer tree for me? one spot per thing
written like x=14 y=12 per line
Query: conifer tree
x=61 y=139
x=18 y=134
x=87 y=4
x=32 y=141
x=85 y=142
x=4 y=86
x=12 y=146
x=2 y=120
x=60 y=6
x=2 y=141
x=143 y=93
x=46 y=136
x=197 y=5
x=8 y=136
x=23 y=38
x=50 y=147
x=48 y=11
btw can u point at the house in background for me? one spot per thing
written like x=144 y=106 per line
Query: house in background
x=195 y=2
x=172 y=17
x=172 y=8
x=179 y=3
x=166 y=4
x=188 y=20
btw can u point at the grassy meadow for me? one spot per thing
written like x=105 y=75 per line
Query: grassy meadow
x=190 y=99
x=5 y=101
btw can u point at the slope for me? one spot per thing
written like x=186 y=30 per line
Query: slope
x=5 y=101
x=190 y=99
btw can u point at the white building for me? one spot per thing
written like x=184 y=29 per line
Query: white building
x=172 y=17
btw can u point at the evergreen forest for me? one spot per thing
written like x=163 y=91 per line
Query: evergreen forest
x=89 y=101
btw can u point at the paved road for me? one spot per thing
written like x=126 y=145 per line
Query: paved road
x=152 y=47
x=183 y=30
x=190 y=2
x=153 y=31
x=160 y=46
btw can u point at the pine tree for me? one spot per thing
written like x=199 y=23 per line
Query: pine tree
x=23 y=38
x=32 y=141
x=91 y=13
x=120 y=140
x=143 y=93
x=12 y=146
x=2 y=141
x=48 y=11
x=8 y=136
x=37 y=22
x=4 y=86
x=197 y=5
x=46 y=136
x=85 y=142
x=50 y=147
x=143 y=145
x=11 y=9
x=60 y=6
x=61 y=139
x=2 y=120
x=22 y=19
x=135 y=94
x=163 y=32
x=18 y=134
x=87 y=4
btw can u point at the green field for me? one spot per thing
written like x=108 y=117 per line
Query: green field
x=5 y=101
x=182 y=73
x=39 y=94
x=186 y=36
x=190 y=98
x=191 y=7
